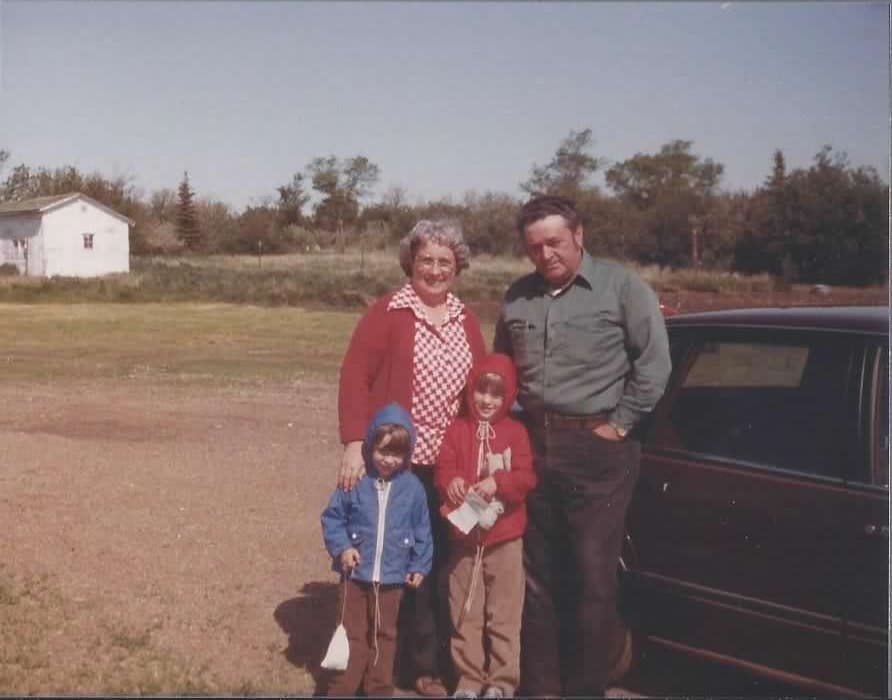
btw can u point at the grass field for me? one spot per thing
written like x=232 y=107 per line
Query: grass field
x=351 y=280
x=215 y=343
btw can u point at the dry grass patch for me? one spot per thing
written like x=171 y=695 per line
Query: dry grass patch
x=40 y=627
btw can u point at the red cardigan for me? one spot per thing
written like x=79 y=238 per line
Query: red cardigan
x=378 y=364
x=458 y=457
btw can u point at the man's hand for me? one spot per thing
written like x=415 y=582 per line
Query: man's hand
x=349 y=559
x=456 y=491
x=486 y=488
x=414 y=580
x=352 y=465
x=607 y=432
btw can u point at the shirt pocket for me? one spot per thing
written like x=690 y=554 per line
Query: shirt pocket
x=527 y=342
x=590 y=336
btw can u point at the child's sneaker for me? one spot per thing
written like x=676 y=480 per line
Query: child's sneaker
x=464 y=693
x=493 y=692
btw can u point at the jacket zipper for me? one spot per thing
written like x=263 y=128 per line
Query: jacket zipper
x=383 y=493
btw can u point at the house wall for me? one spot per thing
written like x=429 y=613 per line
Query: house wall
x=22 y=228
x=63 y=239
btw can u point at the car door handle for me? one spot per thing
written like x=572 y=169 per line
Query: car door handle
x=660 y=486
x=872 y=530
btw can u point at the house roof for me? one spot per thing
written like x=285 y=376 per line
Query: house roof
x=41 y=205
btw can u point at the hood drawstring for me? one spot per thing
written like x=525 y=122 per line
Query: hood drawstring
x=485 y=433
x=376 y=587
x=475 y=576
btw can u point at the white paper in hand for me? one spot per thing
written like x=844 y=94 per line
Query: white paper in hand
x=338 y=653
x=464 y=518
x=467 y=515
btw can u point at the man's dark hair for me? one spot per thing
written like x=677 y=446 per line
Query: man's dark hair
x=547 y=205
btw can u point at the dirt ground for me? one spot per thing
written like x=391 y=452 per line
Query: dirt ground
x=174 y=533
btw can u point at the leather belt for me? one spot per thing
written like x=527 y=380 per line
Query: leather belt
x=550 y=419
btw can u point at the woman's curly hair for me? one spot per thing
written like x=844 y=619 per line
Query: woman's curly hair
x=445 y=232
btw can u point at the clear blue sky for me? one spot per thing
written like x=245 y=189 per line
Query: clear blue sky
x=444 y=96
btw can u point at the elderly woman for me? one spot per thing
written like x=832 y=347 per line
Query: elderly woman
x=415 y=346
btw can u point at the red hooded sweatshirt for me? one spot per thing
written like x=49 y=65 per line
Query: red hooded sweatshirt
x=460 y=454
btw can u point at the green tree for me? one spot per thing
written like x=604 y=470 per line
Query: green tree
x=392 y=215
x=342 y=185
x=765 y=247
x=488 y=223
x=19 y=184
x=188 y=230
x=163 y=205
x=839 y=222
x=257 y=231
x=826 y=224
x=568 y=171
x=292 y=199
x=217 y=223
x=674 y=190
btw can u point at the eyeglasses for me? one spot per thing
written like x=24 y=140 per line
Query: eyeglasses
x=427 y=264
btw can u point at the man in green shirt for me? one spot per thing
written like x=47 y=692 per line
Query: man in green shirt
x=592 y=358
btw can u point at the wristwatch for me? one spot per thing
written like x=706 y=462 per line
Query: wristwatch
x=622 y=432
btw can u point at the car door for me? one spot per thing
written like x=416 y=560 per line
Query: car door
x=736 y=519
x=867 y=571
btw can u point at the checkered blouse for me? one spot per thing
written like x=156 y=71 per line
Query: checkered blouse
x=441 y=361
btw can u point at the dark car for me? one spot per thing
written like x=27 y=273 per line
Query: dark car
x=758 y=533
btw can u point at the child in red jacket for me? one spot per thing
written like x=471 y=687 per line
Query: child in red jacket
x=485 y=456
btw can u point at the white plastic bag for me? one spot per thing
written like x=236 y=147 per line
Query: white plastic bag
x=338 y=653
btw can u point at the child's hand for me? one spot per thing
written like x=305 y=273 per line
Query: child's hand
x=456 y=491
x=486 y=488
x=414 y=580
x=349 y=559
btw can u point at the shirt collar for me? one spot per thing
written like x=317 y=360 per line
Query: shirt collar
x=585 y=275
x=407 y=298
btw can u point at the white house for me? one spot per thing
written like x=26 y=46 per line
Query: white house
x=65 y=234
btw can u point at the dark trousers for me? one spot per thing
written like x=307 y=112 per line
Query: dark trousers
x=370 y=619
x=424 y=616
x=571 y=550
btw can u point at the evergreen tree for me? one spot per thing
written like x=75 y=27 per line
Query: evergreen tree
x=188 y=230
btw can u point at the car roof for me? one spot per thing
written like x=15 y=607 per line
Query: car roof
x=859 y=319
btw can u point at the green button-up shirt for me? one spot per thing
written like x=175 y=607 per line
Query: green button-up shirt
x=599 y=345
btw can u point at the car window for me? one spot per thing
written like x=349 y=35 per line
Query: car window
x=762 y=401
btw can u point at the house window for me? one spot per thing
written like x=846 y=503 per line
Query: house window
x=88 y=241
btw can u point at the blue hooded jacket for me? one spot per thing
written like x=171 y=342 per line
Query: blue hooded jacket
x=352 y=518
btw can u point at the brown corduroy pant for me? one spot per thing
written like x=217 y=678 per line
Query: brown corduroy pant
x=364 y=636
x=493 y=618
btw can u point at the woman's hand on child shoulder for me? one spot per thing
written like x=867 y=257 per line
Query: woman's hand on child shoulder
x=349 y=559
x=414 y=580
x=456 y=491
x=352 y=467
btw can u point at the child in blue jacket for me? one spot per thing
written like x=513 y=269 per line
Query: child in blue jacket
x=379 y=536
